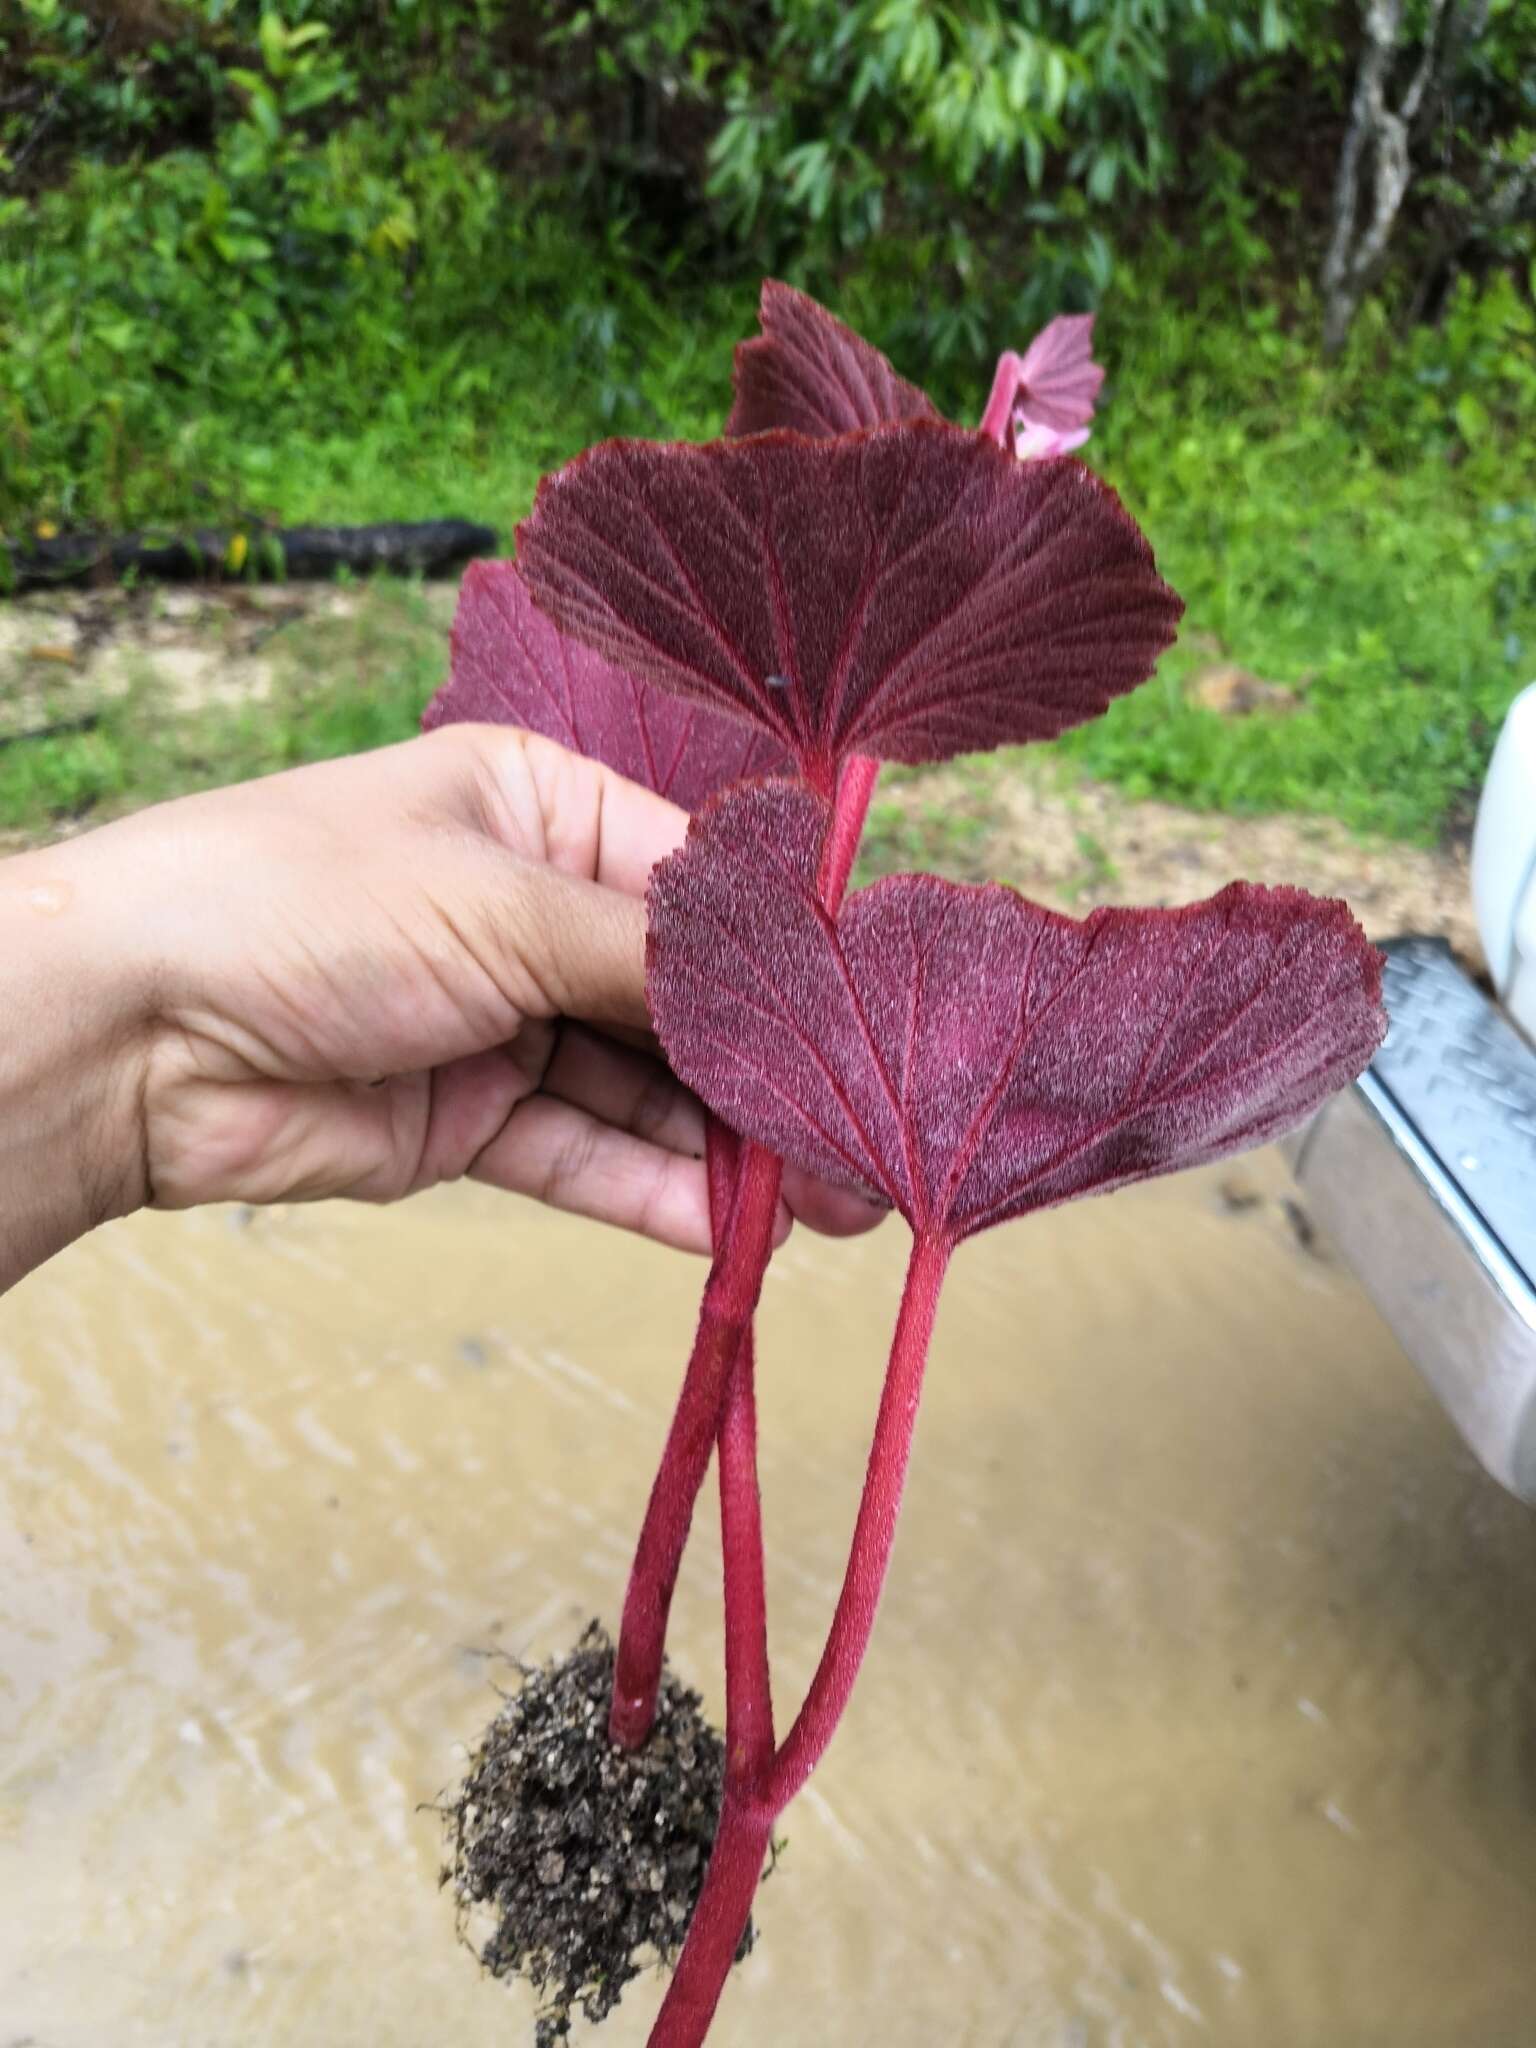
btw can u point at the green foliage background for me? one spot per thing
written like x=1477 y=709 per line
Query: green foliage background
x=361 y=259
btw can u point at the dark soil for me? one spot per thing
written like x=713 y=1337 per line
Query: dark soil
x=589 y=1857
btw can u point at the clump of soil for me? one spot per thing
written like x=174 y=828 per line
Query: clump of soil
x=589 y=1857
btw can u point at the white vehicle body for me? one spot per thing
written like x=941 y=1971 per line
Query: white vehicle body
x=1504 y=865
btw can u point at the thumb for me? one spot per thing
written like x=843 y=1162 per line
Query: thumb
x=582 y=946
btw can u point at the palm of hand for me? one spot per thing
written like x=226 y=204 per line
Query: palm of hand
x=388 y=953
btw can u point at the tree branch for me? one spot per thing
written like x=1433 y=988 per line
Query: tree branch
x=1376 y=152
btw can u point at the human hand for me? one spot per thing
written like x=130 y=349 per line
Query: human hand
x=359 y=978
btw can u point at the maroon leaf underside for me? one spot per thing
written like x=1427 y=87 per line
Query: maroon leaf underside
x=908 y=592
x=972 y=1056
x=512 y=666
x=1058 y=378
x=808 y=372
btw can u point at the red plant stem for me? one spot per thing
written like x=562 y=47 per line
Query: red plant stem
x=854 y=790
x=874 y=1532
x=749 y=1809
x=744 y=1189
x=743 y=1248
x=745 y=1827
x=715 y=1931
x=748 y=1686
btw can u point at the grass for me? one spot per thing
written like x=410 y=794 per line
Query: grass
x=1393 y=591
x=338 y=685
x=1364 y=534
x=948 y=828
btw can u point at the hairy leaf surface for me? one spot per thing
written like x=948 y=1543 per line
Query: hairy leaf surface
x=973 y=1056
x=907 y=592
x=809 y=372
x=513 y=666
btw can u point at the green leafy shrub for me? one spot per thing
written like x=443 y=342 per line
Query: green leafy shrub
x=1341 y=532
x=385 y=258
x=984 y=129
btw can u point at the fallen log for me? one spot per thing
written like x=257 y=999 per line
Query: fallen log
x=243 y=553
x=60 y=728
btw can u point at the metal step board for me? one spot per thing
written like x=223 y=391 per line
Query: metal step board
x=1466 y=1078
x=1424 y=1173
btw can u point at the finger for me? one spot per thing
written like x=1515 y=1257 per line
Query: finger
x=582 y=945
x=598 y=824
x=566 y=1157
x=833 y=1212
x=638 y=1094
x=505 y=939
x=626 y=1089
x=644 y=1041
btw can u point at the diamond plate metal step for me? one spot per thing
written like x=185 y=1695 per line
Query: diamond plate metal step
x=1467 y=1079
x=1424 y=1173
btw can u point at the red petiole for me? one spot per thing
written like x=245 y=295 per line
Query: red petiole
x=743 y=1247
x=744 y=1197
x=761 y=1780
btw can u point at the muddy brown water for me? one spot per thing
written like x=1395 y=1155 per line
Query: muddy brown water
x=1202 y=1708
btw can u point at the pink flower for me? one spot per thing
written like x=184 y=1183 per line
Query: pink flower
x=1042 y=401
x=1031 y=443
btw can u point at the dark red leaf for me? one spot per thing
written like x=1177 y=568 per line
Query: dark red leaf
x=972 y=1056
x=909 y=592
x=513 y=666
x=809 y=372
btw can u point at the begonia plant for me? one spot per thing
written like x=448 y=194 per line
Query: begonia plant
x=751 y=627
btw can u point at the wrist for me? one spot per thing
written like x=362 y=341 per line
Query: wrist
x=71 y=1142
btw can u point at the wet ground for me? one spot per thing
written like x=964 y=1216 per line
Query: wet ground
x=1202 y=1707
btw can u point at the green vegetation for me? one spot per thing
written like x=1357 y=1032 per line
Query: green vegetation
x=1367 y=540
x=339 y=684
x=347 y=260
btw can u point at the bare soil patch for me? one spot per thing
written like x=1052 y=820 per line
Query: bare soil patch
x=64 y=654
x=1079 y=844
